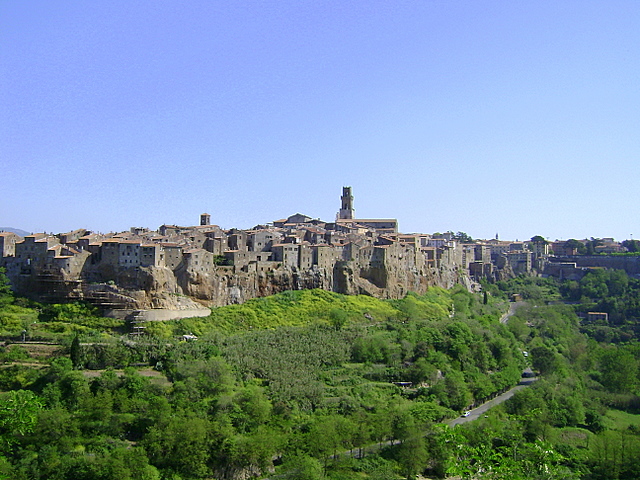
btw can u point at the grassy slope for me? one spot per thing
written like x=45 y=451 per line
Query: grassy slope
x=296 y=308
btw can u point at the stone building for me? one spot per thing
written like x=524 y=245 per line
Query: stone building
x=198 y=260
x=324 y=256
x=560 y=248
x=242 y=258
x=32 y=251
x=482 y=253
x=519 y=261
x=539 y=249
x=171 y=255
x=129 y=253
x=151 y=255
x=361 y=225
x=237 y=239
x=286 y=253
x=262 y=240
x=8 y=242
x=346 y=212
x=73 y=236
x=305 y=256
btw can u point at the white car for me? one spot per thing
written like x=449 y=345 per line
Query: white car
x=466 y=414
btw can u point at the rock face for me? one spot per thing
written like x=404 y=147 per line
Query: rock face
x=147 y=288
x=154 y=287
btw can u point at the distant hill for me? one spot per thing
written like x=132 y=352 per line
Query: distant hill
x=17 y=231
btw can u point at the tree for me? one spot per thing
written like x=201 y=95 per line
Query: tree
x=539 y=239
x=576 y=245
x=592 y=244
x=413 y=456
x=249 y=409
x=454 y=393
x=183 y=445
x=543 y=359
x=212 y=376
x=18 y=414
x=6 y=295
x=324 y=438
x=619 y=370
x=72 y=385
x=632 y=246
x=75 y=353
x=57 y=427
x=253 y=451
x=462 y=237
x=302 y=467
x=338 y=317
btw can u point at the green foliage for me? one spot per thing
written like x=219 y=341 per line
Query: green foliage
x=18 y=415
x=590 y=245
x=579 y=246
x=544 y=359
x=302 y=467
x=289 y=360
x=221 y=260
x=462 y=237
x=433 y=305
x=534 y=289
x=6 y=295
x=182 y=445
x=14 y=319
x=376 y=348
x=611 y=292
x=13 y=353
x=291 y=308
x=305 y=375
x=618 y=369
x=210 y=376
x=67 y=312
x=539 y=239
x=632 y=246
x=72 y=317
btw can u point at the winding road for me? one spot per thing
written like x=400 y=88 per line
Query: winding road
x=512 y=310
x=527 y=380
x=478 y=411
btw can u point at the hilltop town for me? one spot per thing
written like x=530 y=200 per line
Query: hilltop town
x=186 y=268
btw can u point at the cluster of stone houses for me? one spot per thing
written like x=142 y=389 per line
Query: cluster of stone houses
x=298 y=242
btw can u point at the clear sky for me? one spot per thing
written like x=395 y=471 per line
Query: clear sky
x=520 y=118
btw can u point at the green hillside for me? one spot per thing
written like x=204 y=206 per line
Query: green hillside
x=304 y=307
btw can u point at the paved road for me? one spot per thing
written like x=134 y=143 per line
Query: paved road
x=482 y=409
x=512 y=309
x=525 y=382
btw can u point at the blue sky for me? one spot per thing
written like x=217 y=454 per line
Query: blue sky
x=517 y=118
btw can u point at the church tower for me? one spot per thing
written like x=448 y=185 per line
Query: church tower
x=346 y=211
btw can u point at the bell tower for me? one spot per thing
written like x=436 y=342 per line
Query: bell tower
x=346 y=211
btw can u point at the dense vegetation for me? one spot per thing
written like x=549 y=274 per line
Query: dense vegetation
x=581 y=419
x=300 y=378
